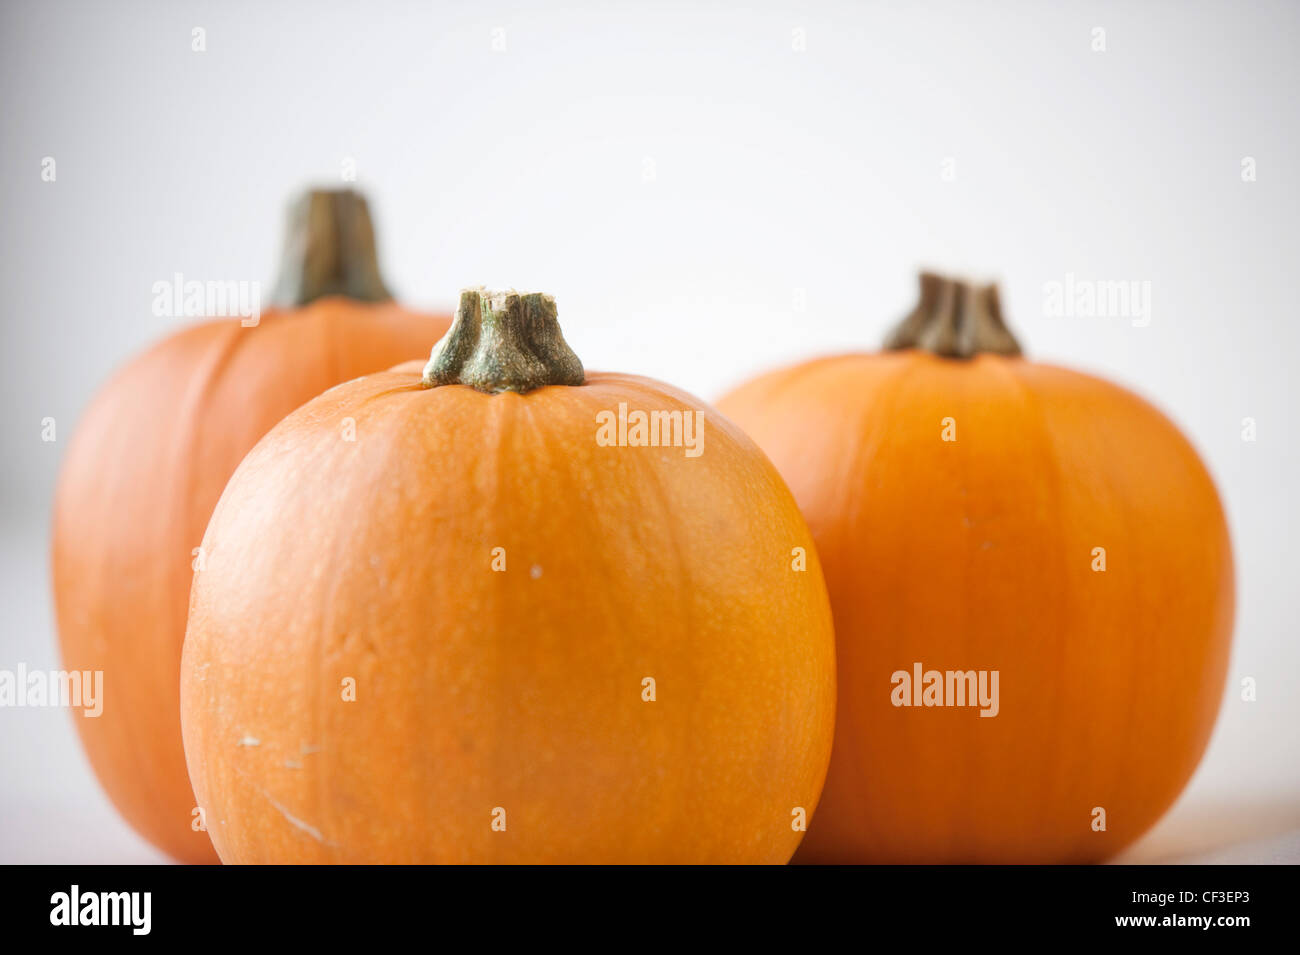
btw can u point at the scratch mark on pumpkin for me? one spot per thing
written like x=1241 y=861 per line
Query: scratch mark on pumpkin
x=289 y=817
x=249 y=741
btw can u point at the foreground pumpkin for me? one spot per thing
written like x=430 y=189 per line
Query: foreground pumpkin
x=975 y=511
x=484 y=615
x=147 y=465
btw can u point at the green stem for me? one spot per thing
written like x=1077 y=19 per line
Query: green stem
x=503 y=341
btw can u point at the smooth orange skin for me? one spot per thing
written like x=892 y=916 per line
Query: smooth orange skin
x=136 y=489
x=520 y=689
x=977 y=554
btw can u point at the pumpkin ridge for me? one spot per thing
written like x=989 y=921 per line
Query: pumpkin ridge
x=1030 y=410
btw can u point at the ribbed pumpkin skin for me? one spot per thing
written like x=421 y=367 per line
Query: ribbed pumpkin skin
x=977 y=554
x=139 y=482
x=519 y=689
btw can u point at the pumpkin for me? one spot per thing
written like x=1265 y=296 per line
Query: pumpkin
x=492 y=612
x=981 y=516
x=145 y=469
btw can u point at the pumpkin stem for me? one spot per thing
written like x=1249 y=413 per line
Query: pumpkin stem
x=329 y=249
x=955 y=319
x=503 y=341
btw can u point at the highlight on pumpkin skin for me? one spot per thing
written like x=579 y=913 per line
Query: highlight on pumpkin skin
x=503 y=341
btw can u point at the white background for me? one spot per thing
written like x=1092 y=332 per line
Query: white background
x=679 y=179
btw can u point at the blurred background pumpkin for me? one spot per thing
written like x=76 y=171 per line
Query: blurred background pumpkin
x=148 y=462
x=980 y=513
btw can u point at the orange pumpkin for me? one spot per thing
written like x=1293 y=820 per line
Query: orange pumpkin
x=144 y=472
x=506 y=623
x=977 y=512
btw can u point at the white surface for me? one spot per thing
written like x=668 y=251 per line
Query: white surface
x=777 y=174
